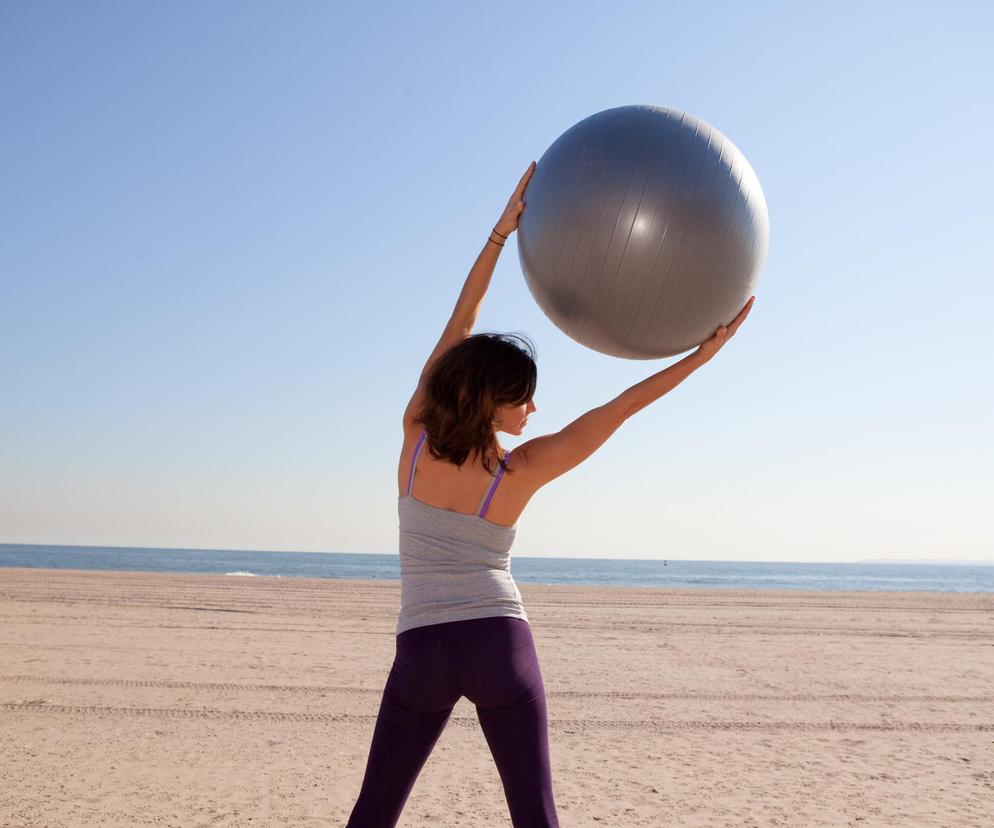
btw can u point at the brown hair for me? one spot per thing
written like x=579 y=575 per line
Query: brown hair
x=464 y=388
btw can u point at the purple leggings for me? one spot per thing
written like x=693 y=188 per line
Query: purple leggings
x=490 y=661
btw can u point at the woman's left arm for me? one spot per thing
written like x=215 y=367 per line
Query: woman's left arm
x=467 y=309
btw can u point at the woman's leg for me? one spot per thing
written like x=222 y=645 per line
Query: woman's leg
x=500 y=674
x=420 y=693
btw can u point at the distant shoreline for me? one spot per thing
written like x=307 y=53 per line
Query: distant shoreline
x=616 y=572
x=873 y=561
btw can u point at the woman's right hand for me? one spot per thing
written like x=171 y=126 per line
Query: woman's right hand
x=709 y=348
x=508 y=221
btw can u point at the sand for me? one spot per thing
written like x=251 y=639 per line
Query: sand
x=189 y=700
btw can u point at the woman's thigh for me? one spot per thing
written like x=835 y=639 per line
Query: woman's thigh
x=423 y=677
x=499 y=673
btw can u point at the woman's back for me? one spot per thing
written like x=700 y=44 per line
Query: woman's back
x=444 y=485
x=455 y=563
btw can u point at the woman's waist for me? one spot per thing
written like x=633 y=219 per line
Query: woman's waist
x=431 y=583
x=454 y=561
x=454 y=578
x=423 y=603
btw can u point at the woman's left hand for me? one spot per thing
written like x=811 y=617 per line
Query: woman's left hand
x=508 y=222
x=710 y=347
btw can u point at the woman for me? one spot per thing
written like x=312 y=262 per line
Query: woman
x=462 y=629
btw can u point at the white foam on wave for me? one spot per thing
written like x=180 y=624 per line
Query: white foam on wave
x=250 y=574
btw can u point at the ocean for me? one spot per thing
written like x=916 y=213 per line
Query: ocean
x=901 y=577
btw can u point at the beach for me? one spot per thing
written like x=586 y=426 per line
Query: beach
x=130 y=698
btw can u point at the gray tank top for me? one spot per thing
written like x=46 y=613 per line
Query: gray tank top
x=453 y=566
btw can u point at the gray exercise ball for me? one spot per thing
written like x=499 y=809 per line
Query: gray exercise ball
x=644 y=230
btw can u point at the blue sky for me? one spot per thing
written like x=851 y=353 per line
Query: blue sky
x=234 y=231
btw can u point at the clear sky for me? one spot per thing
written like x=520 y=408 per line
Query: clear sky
x=233 y=231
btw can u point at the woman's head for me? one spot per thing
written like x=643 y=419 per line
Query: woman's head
x=481 y=385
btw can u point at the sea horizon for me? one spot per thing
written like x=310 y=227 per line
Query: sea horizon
x=869 y=574
x=908 y=561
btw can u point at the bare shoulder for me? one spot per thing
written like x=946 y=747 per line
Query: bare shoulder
x=412 y=432
x=523 y=457
x=526 y=461
x=544 y=458
x=412 y=428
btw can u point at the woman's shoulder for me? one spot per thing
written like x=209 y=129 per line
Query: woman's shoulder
x=413 y=431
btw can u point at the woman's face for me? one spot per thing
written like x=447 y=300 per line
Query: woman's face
x=513 y=418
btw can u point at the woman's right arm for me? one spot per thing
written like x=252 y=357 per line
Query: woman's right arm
x=547 y=457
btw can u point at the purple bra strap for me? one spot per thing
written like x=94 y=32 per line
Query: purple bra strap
x=493 y=487
x=414 y=459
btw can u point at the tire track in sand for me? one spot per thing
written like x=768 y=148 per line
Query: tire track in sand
x=320 y=689
x=565 y=725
